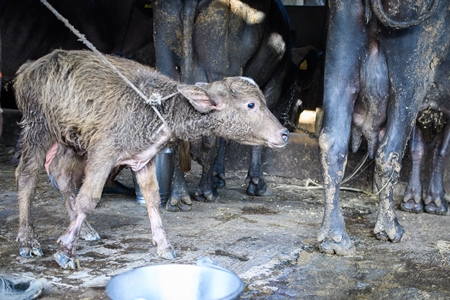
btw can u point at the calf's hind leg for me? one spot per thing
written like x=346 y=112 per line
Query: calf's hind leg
x=26 y=176
x=63 y=168
x=96 y=172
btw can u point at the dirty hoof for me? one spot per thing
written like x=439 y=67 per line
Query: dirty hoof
x=394 y=235
x=88 y=233
x=167 y=254
x=177 y=205
x=412 y=207
x=219 y=181
x=434 y=208
x=259 y=189
x=30 y=250
x=64 y=261
x=207 y=196
x=344 y=248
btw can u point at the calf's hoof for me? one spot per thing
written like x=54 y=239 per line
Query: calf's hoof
x=33 y=249
x=167 y=254
x=64 y=261
x=412 y=207
x=88 y=233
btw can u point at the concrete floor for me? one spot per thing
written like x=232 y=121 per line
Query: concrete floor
x=270 y=242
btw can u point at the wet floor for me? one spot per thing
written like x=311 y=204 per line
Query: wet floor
x=269 y=242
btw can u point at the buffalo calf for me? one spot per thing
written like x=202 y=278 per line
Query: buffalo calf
x=74 y=99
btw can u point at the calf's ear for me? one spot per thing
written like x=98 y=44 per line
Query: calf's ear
x=198 y=97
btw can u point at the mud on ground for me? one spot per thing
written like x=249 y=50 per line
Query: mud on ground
x=269 y=242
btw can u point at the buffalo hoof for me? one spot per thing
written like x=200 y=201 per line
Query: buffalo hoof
x=65 y=262
x=412 y=207
x=207 y=196
x=31 y=250
x=438 y=207
x=88 y=233
x=175 y=205
x=344 y=247
x=167 y=254
x=395 y=234
x=259 y=189
x=219 y=181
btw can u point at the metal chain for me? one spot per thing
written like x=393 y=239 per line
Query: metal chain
x=285 y=116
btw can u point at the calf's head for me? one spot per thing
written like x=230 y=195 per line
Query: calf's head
x=237 y=108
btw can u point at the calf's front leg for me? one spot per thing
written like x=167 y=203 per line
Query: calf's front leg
x=146 y=178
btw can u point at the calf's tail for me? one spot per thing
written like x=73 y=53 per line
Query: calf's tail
x=184 y=156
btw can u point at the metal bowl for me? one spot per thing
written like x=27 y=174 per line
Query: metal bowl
x=175 y=281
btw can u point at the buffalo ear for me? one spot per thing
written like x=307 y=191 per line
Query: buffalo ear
x=197 y=96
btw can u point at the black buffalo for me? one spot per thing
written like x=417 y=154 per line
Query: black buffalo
x=386 y=61
x=211 y=39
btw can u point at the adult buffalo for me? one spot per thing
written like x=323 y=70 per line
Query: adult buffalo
x=212 y=39
x=384 y=62
x=432 y=127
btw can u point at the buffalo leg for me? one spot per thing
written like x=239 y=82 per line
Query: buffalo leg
x=256 y=184
x=219 y=165
x=341 y=89
x=435 y=201
x=146 y=178
x=206 y=191
x=400 y=123
x=180 y=200
x=387 y=170
x=407 y=93
x=412 y=201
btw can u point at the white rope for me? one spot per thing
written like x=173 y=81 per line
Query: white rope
x=83 y=39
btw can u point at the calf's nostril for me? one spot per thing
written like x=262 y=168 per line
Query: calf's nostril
x=285 y=135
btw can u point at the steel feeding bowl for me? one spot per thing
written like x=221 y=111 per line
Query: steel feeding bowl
x=175 y=281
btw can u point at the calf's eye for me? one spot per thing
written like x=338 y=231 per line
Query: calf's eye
x=251 y=105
